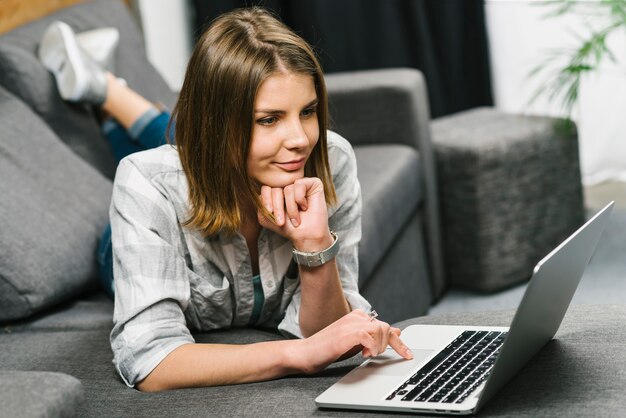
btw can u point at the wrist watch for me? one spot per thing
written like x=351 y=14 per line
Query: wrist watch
x=317 y=258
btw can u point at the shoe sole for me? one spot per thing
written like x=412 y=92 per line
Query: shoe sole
x=72 y=76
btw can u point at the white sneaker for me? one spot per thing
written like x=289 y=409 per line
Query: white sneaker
x=100 y=44
x=78 y=78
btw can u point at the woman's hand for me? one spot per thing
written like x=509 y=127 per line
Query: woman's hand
x=347 y=336
x=300 y=213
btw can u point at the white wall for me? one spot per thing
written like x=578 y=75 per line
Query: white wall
x=167 y=32
x=519 y=39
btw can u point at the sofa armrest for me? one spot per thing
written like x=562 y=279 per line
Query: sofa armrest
x=380 y=106
x=391 y=106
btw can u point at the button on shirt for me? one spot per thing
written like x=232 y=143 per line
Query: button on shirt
x=171 y=280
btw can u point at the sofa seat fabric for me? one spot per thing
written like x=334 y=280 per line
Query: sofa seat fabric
x=510 y=191
x=39 y=394
x=392 y=191
x=580 y=373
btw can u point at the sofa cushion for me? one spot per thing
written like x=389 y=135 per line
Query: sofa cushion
x=23 y=75
x=52 y=211
x=39 y=394
x=392 y=191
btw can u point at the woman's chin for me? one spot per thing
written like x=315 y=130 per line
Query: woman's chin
x=281 y=180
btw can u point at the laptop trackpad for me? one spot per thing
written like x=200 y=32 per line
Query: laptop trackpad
x=391 y=364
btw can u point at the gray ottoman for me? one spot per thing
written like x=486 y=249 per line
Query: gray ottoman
x=510 y=191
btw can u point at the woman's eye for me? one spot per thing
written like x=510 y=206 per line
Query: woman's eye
x=309 y=112
x=267 y=121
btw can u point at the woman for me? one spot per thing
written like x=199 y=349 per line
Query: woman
x=204 y=233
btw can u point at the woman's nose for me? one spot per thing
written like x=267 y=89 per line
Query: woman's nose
x=296 y=137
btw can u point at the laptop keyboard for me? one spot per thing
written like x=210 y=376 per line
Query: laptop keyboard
x=453 y=374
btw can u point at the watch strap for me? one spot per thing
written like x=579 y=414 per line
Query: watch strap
x=317 y=258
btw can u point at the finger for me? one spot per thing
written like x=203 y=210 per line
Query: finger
x=292 y=207
x=265 y=221
x=370 y=346
x=261 y=218
x=374 y=331
x=266 y=198
x=384 y=335
x=313 y=185
x=398 y=345
x=278 y=204
x=300 y=194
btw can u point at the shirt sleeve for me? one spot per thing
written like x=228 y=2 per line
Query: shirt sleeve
x=150 y=275
x=345 y=219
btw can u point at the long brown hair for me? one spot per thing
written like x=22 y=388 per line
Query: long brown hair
x=215 y=113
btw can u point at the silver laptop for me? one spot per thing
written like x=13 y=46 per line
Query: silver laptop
x=457 y=369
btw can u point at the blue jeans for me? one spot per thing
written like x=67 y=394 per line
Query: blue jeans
x=149 y=131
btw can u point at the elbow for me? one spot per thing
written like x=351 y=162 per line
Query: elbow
x=151 y=384
x=307 y=331
x=147 y=386
x=166 y=375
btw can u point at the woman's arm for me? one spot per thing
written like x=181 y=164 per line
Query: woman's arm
x=194 y=365
x=303 y=203
x=328 y=291
x=213 y=364
x=323 y=300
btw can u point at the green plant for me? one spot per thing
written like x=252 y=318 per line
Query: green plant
x=563 y=69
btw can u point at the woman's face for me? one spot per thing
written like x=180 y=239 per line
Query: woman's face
x=285 y=129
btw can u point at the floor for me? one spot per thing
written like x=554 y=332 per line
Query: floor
x=604 y=281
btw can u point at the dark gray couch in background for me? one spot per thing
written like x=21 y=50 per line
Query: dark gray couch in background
x=55 y=184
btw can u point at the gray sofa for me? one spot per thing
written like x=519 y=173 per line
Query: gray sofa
x=55 y=183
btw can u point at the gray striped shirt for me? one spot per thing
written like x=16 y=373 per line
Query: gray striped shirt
x=170 y=279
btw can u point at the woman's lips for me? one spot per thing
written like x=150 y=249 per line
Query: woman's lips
x=292 y=165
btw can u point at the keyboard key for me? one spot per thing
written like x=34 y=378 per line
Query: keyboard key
x=412 y=394
x=436 y=397
x=423 y=397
